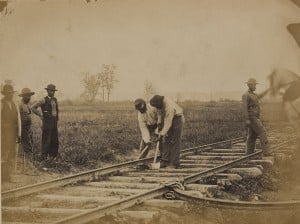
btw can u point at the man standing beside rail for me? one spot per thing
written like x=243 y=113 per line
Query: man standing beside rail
x=255 y=127
x=49 y=116
x=26 y=134
x=10 y=132
x=149 y=121
x=171 y=133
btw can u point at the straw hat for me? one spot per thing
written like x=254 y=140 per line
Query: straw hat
x=7 y=89
x=251 y=81
x=51 y=87
x=26 y=92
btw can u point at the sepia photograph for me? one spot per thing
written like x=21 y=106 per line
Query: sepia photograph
x=150 y=111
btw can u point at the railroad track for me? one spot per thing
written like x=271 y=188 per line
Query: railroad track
x=97 y=193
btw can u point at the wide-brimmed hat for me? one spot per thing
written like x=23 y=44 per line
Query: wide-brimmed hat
x=7 y=89
x=251 y=81
x=139 y=103
x=26 y=92
x=156 y=100
x=51 y=87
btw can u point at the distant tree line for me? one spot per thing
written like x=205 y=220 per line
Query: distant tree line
x=101 y=83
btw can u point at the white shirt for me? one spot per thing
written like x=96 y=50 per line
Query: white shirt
x=169 y=110
x=150 y=117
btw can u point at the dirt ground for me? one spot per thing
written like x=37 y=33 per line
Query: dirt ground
x=286 y=178
x=37 y=174
x=31 y=176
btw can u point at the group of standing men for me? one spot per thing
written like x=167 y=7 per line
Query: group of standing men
x=160 y=117
x=16 y=125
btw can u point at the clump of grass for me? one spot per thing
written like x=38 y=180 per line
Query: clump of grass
x=92 y=135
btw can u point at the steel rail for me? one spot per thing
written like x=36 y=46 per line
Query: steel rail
x=240 y=205
x=135 y=199
x=206 y=173
x=114 y=207
x=205 y=147
x=90 y=174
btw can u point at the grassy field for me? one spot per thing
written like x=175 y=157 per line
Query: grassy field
x=91 y=136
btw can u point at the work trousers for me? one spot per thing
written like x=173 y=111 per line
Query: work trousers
x=50 y=142
x=8 y=150
x=27 y=138
x=256 y=130
x=170 y=149
x=27 y=142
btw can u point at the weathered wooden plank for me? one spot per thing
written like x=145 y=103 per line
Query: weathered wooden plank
x=81 y=199
x=173 y=170
x=157 y=174
x=25 y=222
x=196 y=165
x=77 y=199
x=251 y=172
x=213 y=158
x=142 y=179
x=204 y=162
x=92 y=191
x=111 y=184
x=228 y=153
x=163 y=203
x=42 y=211
x=145 y=216
x=233 y=150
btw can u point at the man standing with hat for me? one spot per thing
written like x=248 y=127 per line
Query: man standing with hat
x=26 y=134
x=251 y=109
x=10 y=132
x=171 y=133
x=149 y=121
x=49 y=116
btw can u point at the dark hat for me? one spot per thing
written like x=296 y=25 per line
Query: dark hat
x=251 y=81
x=156 y=101
x=51 y=87
x=139 y=103
x=26 y=92
x=7 y=89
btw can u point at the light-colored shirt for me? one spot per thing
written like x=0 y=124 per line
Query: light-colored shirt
x=169 y=110
x=150 y=117
x=7 y=118
x=40 y=103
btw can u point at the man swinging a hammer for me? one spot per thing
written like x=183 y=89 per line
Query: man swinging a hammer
x=149 y=120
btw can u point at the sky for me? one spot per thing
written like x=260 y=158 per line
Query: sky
x=178 y=45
